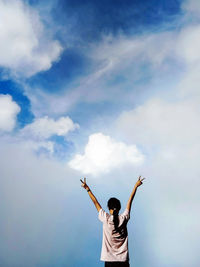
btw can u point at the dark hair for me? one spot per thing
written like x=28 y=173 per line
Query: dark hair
x=115 y=205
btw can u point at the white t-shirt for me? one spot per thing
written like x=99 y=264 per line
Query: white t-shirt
x=114 y=244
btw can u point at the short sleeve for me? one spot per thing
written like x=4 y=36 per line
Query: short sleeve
x=126 y=214
x=102 y=215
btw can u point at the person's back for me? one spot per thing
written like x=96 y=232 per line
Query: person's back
x=115 y=237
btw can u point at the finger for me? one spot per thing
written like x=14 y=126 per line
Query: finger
x=81 y=181
x=142 y=179
x=139 y=178
x=84 y=180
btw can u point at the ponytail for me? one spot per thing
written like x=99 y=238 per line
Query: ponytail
x=115 y=205
x=115 y=218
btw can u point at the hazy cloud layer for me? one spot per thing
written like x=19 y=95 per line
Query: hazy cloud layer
x=36 y=195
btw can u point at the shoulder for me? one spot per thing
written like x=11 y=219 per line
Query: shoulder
x=125 y=214
x=103 y=215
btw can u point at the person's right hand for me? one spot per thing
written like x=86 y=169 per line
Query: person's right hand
x=84 y=185
x=139 y=181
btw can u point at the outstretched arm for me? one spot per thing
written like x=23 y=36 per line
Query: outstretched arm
x=138 y=183
x=93 y=198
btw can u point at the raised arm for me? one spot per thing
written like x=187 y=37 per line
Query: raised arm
x=93 y=198
x=138 y=183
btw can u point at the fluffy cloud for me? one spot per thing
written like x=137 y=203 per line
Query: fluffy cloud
x=102 y=154
x=45 y=127
x=8 y=113
x=25 y=47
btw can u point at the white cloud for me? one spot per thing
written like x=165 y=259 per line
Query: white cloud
x=45 y=127
x=8 y=113
x=25 y=46
x=102 y=154
x=161 y=122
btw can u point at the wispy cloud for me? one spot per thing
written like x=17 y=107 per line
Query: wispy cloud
x=191 y=7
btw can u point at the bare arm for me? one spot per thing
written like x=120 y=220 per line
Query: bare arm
x=93 y=198
x=129 y=203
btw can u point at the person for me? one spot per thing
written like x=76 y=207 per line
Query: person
x=115 y=236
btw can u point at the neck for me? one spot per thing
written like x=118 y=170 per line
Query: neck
x=111 y=212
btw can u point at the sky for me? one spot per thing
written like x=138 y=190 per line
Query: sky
x=107 y=90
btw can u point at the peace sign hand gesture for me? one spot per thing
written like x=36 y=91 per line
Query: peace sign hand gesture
x=84 y=185
x=139 y=181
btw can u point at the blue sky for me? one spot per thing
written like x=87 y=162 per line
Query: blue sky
x=108 y=90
